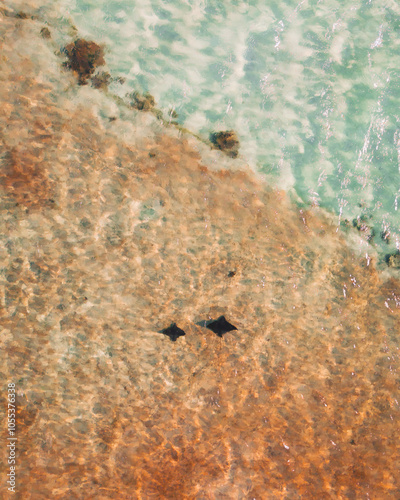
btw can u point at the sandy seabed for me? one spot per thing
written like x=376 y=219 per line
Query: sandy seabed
x=111 y=231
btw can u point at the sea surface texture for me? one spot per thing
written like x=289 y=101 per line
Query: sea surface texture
x=176 y=327
x=312 y=87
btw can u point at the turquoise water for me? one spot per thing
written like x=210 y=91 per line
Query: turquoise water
x=311 y=87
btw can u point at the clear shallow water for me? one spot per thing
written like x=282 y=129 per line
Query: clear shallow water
x=312 y=88
x=107 y=238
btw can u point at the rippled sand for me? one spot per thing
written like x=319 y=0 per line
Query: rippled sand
x=110 y=232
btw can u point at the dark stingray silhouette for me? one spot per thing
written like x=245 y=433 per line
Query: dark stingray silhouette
x=219 y=326
x=173 y=332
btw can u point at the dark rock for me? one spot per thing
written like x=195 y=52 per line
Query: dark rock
x=45 y=32
x=173 y=332
x=226 y=141
x=361 y=225
x=231 y=274
x=21 y=15
x=393 y=260
x=84 y=57
x=144 y=102
x=385 y=236
x=218 y=326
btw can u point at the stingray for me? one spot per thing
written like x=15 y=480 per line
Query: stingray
x=173 y=332
x=218 y=326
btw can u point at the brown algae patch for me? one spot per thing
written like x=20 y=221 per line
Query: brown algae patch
x=145 y=102
x=300 y=398
x=83 y=58
x=227 y=142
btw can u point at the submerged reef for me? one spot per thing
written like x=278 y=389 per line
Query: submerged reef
x=393 y=260
x=142 y=102
x=361 y=224
x=83 y=58
x=227 y=142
